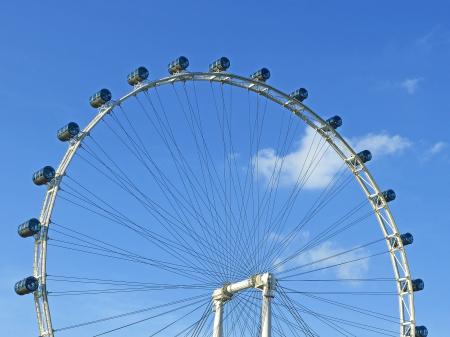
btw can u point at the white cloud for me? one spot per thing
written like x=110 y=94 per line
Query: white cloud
x=295 y=164
x=410 y=84
x=356 y=269
x=380 y=144
x=436 y=148
x=435 y=37
x=290 y=167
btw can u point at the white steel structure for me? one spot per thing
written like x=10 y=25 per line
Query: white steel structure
x=265 y=281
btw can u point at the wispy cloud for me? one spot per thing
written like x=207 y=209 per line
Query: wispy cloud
x=437 y=147
x=435 y=37
x=290 y=167
x=381 y=144
x=410 y=84
x=330 y=253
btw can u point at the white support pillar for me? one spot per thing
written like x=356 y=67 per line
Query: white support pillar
x=266 y=314
x=220 y=296
x=265 y=282
x=218 y=316
x=267 y=287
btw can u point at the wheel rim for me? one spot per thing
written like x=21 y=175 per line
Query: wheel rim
x=333 y=139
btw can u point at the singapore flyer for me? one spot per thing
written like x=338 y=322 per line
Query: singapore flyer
x=224 y=169
x=251 y=231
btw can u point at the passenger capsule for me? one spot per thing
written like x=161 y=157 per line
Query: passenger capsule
x=67 y=132
x=334 y=122
x=100 y=98
x=261 y=75
x=365 y=156
x=406 y=239
x=137 y=76
x=44 y=175
x=178 y=65
x=300 y=94
x=417 y=285
x=29 y=228
x=388 y=195
x=219 y=65
x=26 y=286
x=421 y=331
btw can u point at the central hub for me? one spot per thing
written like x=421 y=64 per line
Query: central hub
x=265 y=282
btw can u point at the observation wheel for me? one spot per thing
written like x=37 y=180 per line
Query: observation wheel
x=212 y=204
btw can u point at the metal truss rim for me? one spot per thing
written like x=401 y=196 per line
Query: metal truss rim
x=337 y=142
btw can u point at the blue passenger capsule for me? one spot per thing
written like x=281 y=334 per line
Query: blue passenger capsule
x=178 y=65
x=100 y=98
x=44 y=175
x=421 y=331
x=138 y=75
x=67 y=132
x=365 y=156
x=388 y=195
x=261 y=75
x=417 y=285
x=334 y=122
x=29 y=228
x=300 y=94
x=26 y=286
x=219 y=65
x=407 y=239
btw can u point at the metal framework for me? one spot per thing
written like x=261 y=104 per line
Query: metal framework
x=265 y=282
x=341 y=147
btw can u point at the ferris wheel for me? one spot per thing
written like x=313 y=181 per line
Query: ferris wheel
x=213 y=204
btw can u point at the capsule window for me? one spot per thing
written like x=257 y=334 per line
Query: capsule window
x=365 y=156
x=44 y=175
x=178 y=65
x=300 y=94
x=26 y=286
x=334 y=122
x=101 y=97
x=421 y=331
x=261 y=75
x=29 y=228
x=418 y=284
x=221 y=64
x=407 y=239
x=389 y=195
x=137 y=76
x=68 y=131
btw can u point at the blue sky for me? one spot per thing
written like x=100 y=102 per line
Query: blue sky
x=382 y=66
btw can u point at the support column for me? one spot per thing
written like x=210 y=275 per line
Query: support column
x=218 y=316
x=219 y=297
x=265 y=282
x=266 y=314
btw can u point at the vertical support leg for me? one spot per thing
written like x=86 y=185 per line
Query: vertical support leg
x=218 y=309
x=265 y=282
x=266 y=314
